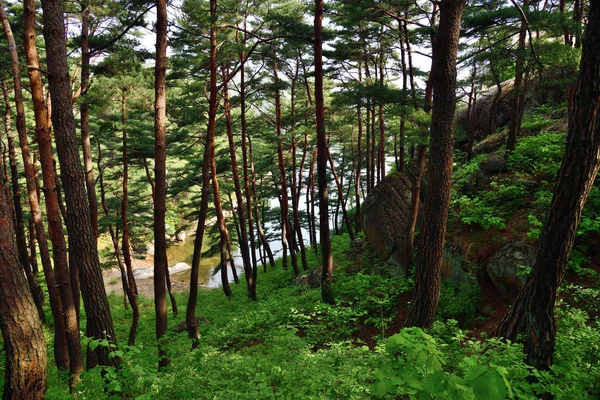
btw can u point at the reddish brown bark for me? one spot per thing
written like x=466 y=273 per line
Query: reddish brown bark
x=160 y=182
x=60 y=346
x=532 y=313
x=59 y=246
x=82 y=243
x=36 y=290
x=131 y=295
x=435 y=209
x=25 y=374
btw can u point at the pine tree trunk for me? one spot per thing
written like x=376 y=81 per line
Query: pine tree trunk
x=243 y=239
x=532 y=313
x=60 y=346
x=341 y=196
x=160 y=181
x=518 y=102
x=84 y=114
x=82 y=243
x=435 y=209
x=36 y=290
x=25 y=373
x=322 y=156
x=283 y=178
x=125 y=224
x=59 y=246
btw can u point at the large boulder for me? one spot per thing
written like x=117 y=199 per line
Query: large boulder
x=505 y=268
x=493 y=164
x=384 y=217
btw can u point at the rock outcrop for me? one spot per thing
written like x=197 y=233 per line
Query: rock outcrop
x=384 y=216
x=505 y=271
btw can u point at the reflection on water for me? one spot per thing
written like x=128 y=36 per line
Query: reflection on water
x=184 y=252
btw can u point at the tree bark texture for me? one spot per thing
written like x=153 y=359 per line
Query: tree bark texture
x=25 y=374
x=435 y=209
x=55 y=225
x=160 y=180
x=36 y=290
x=322 y=157
x=82 y=242
x=60 y=349
x=532 y=313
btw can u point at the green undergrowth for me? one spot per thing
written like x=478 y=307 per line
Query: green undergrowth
x=290 y=345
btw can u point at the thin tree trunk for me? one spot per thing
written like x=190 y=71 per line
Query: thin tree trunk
x=322 y=156
x=160 y=147
x=243 y=238
x=435 y=210
x=283 y=178
x=518 y=102
x=532 y=313
x=84 y=114
x=60 y=346
x=341 y=196
x=261 y=232
x=59 y=246
x=25 y=364
x=36 y=290
x=32 y=250
x=125 y=224
x=359 y=157
x=247 y=191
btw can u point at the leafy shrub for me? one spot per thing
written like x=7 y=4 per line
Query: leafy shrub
x=459 y=303
x=538 y=154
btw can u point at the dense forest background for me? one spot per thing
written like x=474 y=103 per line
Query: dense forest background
x=424 y=163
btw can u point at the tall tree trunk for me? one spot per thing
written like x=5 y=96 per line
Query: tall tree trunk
x=518 y=101
x=82 y=243
x=125 y=223
x=60 y=346
x=243 y=239
x=322 y=156
x=160 y=147
x=296 y=187
x=84 y=114
x=381 y=156
x=59 y=246
x=429 y=87
x=359 y=156
x=32 y=249
x=36 y=290
x=283 y=178
x=532 y=313
x=245 y=161
x=435 y=210
x=25 y=374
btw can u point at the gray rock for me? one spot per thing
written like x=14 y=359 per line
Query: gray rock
x=503 y=268
x=493 y=164
x=312 y=280
x=384 y=217
x=180 y=236
x=491 y=143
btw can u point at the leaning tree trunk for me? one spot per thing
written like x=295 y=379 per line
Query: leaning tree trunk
x=60 y=346
x=25 y=374
x=435 y=209
x=322 y=157
x=36 y=290
x=82 y=242
x=55 y=225
x=532 y=313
